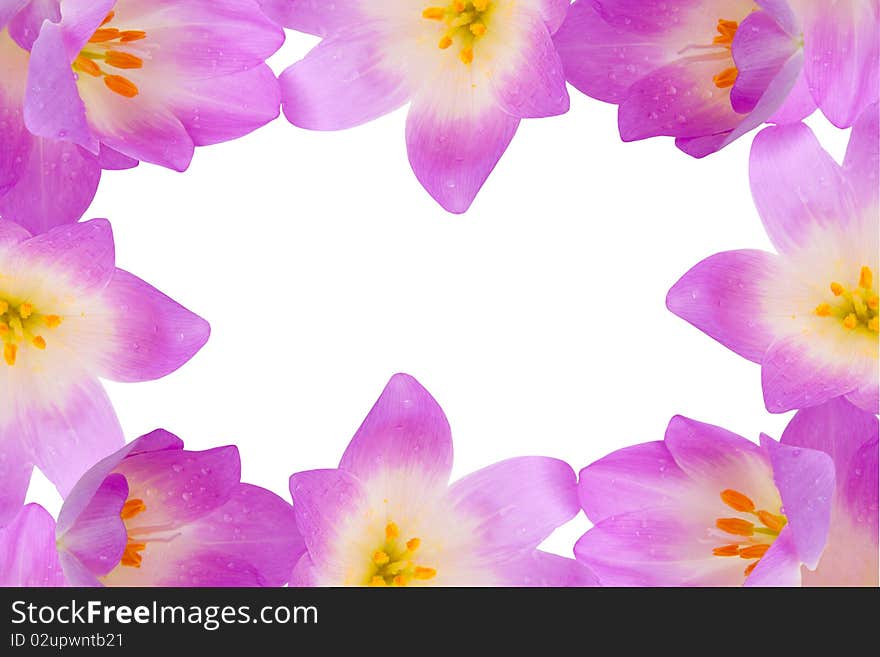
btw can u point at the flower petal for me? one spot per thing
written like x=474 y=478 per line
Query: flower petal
x=799 y=104
x=532 y=82
x=452 y=154
x=323 y=501
x=405 y=430
x=11 y=234
x=805 y=479
x=255 y=527
x=723 y=296
x=71 y=434
x=304 y=573
x=542 y=569
x=58 y=183
x=781 y=566
x=842 y=44
x=343 y=82
x=313 y=16
x=637 y=477
x=25 y=26
x=16 y=466
x=151 y=334
x=604 y=60
x=27 y=550
x=224 y=108
x=518 y=502
x=862 y=162
x=82 y=254
x=794 y=375
x=793 y=197
x=9 y=9
x=113 y=160
x=52 y=106
x=98 y=537
x=80 y=19
x=16 y=144
x=760 y=49
x=179 y=487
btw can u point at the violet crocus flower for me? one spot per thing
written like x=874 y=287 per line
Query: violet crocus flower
x=67 y=317
x=92 y=84
x=471 y=69
x=706 y=507
x=388 y=517
x=153 y=514
x=808 y=315
x=28 y=556
x=708 y=71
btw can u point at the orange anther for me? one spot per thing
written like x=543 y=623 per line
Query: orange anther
x=120 y=85
x=735 y=526
x=118 y=59
x=736 y=500
x=726 y=551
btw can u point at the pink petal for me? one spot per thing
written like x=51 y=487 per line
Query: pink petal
x=799 y=104
x=794 y=376
x=723 y=296
x=532 y=84
x=304 y=573
x=638 y=477
x=11 y=234
x=27 y=550
x=16 y=144
x=542 y=569
x=842 y=46
x=25 y=27
x=343 y=82
x=83 y=254
x=452 y=155
x=796 y=185
x=224 y=108
x=9 y=9
x=405 y=430
x=861 y=165
x=604 y=60
x=518 y=502
x=80 y=19
x=152 y=335
x=58 y=183
x=72 y=434
x=805 y=480
x=313 y=16
x=113 y=160
x=781 y=566
x=552 y=12
x=323 y=500
x=98 y=537
x=16 y=466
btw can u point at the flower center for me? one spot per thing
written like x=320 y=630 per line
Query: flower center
x=108 y=47
x=747 y=540
x=855 y=308
x=465 y=24
x=19 y=325
x=393 y=563
x=132 y=556
x=719 y=49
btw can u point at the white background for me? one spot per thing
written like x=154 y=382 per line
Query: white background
x=537 y=320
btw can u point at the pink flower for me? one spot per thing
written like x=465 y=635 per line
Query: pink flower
x=28 y=556
x=102 y=84
x=388 y=516
x=706 y=507
x=708 y=71
x=67 y=317
x=471 y=69
x=153 y=514
x=808 y=315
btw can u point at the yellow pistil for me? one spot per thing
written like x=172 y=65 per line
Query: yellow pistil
x=747 y=540
x=132 y=556
x=393 y=564
x=465 y=23
x=21 y=325
x=855 y=308
x=104 y=46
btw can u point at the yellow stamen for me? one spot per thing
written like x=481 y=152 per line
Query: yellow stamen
x=754 y=551
x=434 y=13
x=122 y=86
x=866 y=278
x=873 y=324
x=25 y=310
x=459 y=6
x=104 y=34
x=413 y=544
x=132 y=507
x=131 y=556
x=380 y=558
x=52 y=321
x=750 y=568
x=726 y=551
x=737 y=501
x=850 y=321
x=466 y=55
x=108 y=18
x=726 y=32
x=399 y=580
x=445 y=42
x=424 y=573
x=87 y=66
x=478 y=29
x=3 y=306
x=837 y=289
x=392 y=531
x=9 y=352
x=823 y=310
x=17 y=328
x=4 y=328
x=125 y=60
x=39 y=342
x=727 y=78
x=735 y=526
x=377 y=581
x=481 y=5
x=128 y=36
x=771 y=521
